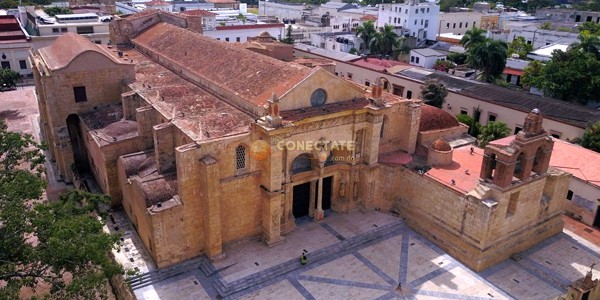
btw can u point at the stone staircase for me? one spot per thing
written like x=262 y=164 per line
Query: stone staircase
x=149 y=278
x=228 y=288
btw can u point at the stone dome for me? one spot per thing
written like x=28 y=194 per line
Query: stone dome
x=440 y=145
x=433 y=118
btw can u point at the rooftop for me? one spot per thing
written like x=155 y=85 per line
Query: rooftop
x=337 y=55
x=464 y=170
x=379 y=64
x=427 y=52
x=198 y=12
x=251 y=76
x=433 y=118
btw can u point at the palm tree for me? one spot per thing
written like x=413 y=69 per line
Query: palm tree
x=384 y=40
x=473 y=37
x=588 y=42
x=489 y=57
x=492 y=131
x=366 y=31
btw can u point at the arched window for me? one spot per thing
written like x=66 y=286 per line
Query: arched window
x=519 y=166
x=240 y=157
x=537 y=161
x=301 y=163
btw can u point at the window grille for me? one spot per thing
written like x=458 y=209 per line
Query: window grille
x=240 y=157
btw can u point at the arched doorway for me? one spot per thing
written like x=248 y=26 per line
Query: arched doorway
x=301 y=192
x=77 y=145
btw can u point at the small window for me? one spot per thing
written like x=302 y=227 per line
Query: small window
x=85 y=29
x=459 y=24
x=367 y=83
x=492 y=118
x=555 y=135
x=454 y=25
x=218 y=39
x=447 y=25
x=80 y=95
x=227 y=39
x=240 y=157
x=64 y=29
x=23 y=64
x=463 y=111
x=237 y=39
x=412 y=59
x=417 y=59
x=55 y=29
x=349 y=75
x=409 y=94
x=98 y=42
x=570 y=195
x=517 y=129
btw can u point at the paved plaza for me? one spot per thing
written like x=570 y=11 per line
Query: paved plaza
x=372 y=255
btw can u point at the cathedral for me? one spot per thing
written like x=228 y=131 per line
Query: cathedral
x=205 y=143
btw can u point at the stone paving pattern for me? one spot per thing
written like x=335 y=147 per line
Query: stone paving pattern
x=365 y=255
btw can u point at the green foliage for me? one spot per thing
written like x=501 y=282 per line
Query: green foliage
x=353 y=51
x=43 y=241
x=533 y=74
x=55 y=10
x=489 y=57
x=593 y=5
x=366 y=32
x=242 y=18
x=520 y=47
x=433 y=92
x=445 y=5
x=473 y=37
x=443 y=65
x=8 y=78
x=546 y=26
x=384 y=40
x=572 y=76
x=14 y=3
x=492 y=131
x=401 y=48
x=592 y=27
x=288 y=36
x=468 y=120
x=588 y=42
x=457 y=58
x=591 y=138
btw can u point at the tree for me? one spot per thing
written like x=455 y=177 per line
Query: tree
x=520 y=47
x=592 y=27
x=366 y=32
x=288 y=36
x=443 y=65
x=242 y=18
x=588 y=42
x=457 y=58
x=489 y=57
x=55 y=10
x=546 y=26
x=383 y=42
x=492 y=131
x=8 y=78
x=572 y=76
x=473 y=37
x=533 y=74
x=44 y=241
x=591 y=137
x=469 y=121
x=434 y=92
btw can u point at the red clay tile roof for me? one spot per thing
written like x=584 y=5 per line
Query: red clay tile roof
x=440 y=145
x=378 y=64
x=198 y=12
x=66 y=48
x=252 y=76
x=464 y=169
x=513 y=71
x=433 y=118
x=157 y=3
x=368 y=18
x=581 y=162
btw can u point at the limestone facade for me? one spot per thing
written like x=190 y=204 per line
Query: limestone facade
x=205 y=143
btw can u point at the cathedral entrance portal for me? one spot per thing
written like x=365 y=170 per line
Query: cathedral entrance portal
x=327 y=182
x=301 y=200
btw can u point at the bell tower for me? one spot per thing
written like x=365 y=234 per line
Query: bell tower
x=527 y=156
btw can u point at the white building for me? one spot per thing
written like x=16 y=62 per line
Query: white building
x=282 y=10
x=44 y=29
x=545 y=53
x=420 y=19
x=336 y=41
x=425 y=58
x=459 y=22
x=240 y=33
x=15 y=46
